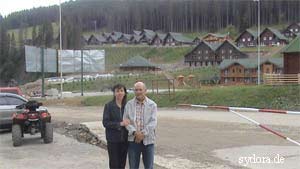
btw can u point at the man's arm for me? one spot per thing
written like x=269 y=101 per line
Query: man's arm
x=150 y=127
x=129 y=127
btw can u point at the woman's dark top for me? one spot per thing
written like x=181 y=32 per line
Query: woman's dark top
x=112 y=117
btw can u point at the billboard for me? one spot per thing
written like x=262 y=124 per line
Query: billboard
x=93 y=60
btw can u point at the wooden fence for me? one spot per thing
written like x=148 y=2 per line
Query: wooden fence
x=281 y=79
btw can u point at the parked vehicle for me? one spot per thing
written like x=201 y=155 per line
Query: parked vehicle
x=14 y=90
x=8 y=103
x=31 y=120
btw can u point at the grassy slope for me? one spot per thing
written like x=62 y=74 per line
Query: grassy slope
x=117 y=55
x=279 y=97
x=205 y=73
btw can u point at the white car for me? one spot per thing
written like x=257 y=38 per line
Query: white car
x=8 y=103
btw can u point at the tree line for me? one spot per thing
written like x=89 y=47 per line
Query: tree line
x=127 y=15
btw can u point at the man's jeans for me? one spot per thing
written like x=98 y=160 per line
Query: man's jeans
x=134 y=153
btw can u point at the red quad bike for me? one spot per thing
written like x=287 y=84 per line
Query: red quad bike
x=31 y=119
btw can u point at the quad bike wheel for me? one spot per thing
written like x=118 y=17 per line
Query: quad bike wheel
x=48 y=133
x=16 y=135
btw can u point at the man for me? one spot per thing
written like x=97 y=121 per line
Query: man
x=141 y=111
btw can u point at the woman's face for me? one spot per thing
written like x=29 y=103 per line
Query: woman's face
x=119 y=93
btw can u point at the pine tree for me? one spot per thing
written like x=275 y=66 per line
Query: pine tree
x=48 y=35
x=34 y=36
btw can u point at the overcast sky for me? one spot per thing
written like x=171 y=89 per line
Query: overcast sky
x=9 y=6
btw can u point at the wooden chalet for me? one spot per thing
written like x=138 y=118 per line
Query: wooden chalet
x=292 y=30
x=176 y=39
x=272 y=37
x=158 y=40
x=215 y=38
x=248 y=38
x=138 y=64
x=244 y=71
x=291 y=54
x=211 y=54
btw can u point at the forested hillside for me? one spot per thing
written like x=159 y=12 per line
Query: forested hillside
x=127 y=15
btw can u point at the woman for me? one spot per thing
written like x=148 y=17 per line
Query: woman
x=116 y=133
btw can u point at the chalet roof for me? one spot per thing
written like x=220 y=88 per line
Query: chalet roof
x=115 y=38
x=149 y=32
x=277 y=33
x=297 y=23
x=105 y=34
x=127 y=36
x=250 y=31
x=196 y=38
x=136 y=38
x=117 y=34
x=137 y=32
x=179 y=37
x=100 y=38
x=86 y=37
x=216 y=35
x=162 y=36
x=294 y=46
x=137 y=61
x=232 y=44
x=148 y=36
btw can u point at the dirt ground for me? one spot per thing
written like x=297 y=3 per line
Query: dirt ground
x=196 y=135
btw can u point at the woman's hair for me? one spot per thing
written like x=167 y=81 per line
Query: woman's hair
x=120 y=86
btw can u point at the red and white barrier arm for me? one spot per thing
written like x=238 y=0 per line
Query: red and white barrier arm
x=266 y=128
x=242 y=109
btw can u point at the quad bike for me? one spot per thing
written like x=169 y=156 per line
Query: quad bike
x=31 y=120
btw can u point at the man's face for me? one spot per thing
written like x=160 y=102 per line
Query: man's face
x=139 y=91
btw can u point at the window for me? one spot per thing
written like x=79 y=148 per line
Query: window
x=230 y=51
x=296 y=30
x=233 y=71
x=247 y=71
x=3 y=101
x=223 y=51
x=199 y=51
x=14 y=101
x=243 y=39
x=249 y=39
x=270 y=38
x=206 y=51
x=265 y=38
x=240 y=70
